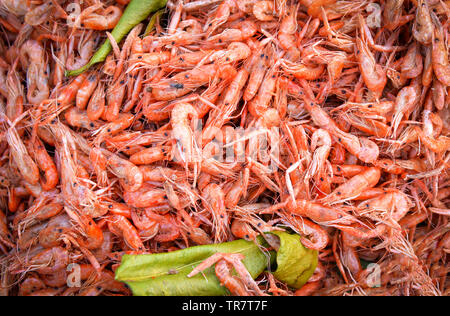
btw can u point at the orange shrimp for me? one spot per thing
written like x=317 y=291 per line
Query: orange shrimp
x=319 y=213
x=92 y=237
x=130 y=174
x=221 y=16
x=181 y=132
x=439 y=58
x=115 y=96
x=302 y=71
x=412 y=65
x=121 y=226
x=86 y=90
x=223 y=273
x=244 y=31
x=214 y=202
x=49 y=261
x=46 y=164
x=96 y=106
x=392 y=205
x=258 y=106
x=373 y=74
x=151 y=155
x=404 y=105
x=313 y=236
x=354 y=186
x=27 y=167
x=362 y=148
x=79 y=118
x=423 y=27
x=146 y=196
x=264 y=11
x=101 y=22
x=439 y=145
x=69 y=92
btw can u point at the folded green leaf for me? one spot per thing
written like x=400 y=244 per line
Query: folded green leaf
x=295 y=263
x=166 y=274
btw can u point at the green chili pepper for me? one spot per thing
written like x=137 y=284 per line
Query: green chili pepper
x=136 y=12
x=166 y=274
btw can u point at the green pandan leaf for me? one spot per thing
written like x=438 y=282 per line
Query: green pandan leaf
x=166 y=274
x=295 y=262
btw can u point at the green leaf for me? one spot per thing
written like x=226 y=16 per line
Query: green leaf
x=165 y=274
x=295 y=262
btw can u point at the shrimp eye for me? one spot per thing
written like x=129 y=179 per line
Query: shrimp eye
x=338 y=193
x=370 y=106
x=247 y=236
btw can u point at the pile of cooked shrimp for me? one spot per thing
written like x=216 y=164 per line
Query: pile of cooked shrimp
x=223 y=121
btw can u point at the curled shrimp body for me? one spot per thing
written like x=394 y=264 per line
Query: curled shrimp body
x=96 y=106
x=242 y=229
x=374 y=75
x=259 y=105
x=313 y=236
x=78 y=118
x=127 y=171
x=146 y=196
x=92 y=237
x=286 y=36
x=315 y=7
x=121 y=226
x=423 y=25
x=303 y=71
x=364 y=149
x=5 y=235
x=412 y=65
x=391 y=205
x=27 y=167
x=354 y=186
x=319 y=213
x=46 y=164
x=439 y=58
x=105 y=21
x=181 y=132
x=222 y=14
x=264 y=11
x=32 y=57
x=86 y=90
x=244 y=31
x=214 y=201
x=50 y=260
x=151 y=155
x=404 y=105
